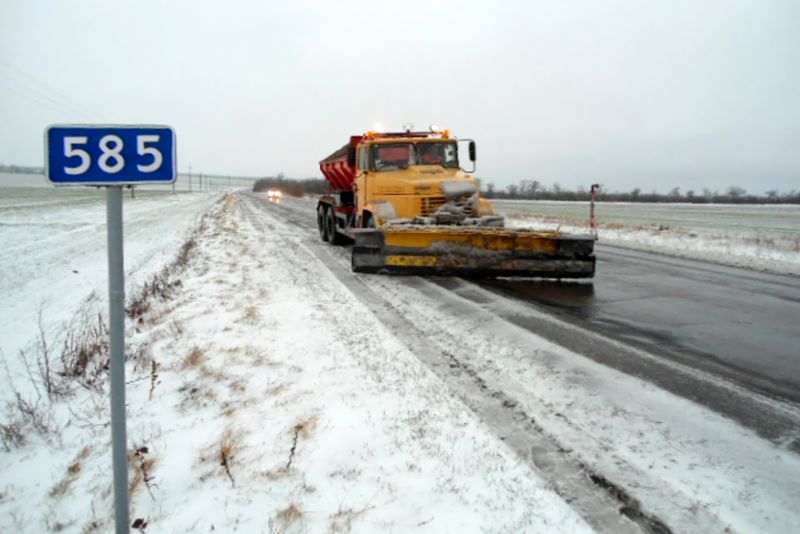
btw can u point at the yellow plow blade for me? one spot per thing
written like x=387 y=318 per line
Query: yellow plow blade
x=473 y=252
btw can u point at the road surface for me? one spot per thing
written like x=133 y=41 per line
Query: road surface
x=721 y=336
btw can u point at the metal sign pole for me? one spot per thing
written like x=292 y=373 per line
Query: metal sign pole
x=116 y=321
x=113 y=156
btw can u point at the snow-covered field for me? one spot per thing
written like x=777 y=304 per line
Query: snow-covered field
x=263 y=396
x=762 y=237
x=54 y=250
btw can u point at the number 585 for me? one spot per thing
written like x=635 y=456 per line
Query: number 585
x=111 y=160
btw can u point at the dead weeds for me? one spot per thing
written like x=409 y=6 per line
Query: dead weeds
x=228 y=446
x=342 y=521
x=303 y=430
x=73 y=471
x=142 y=465
x=286 y=518
x=222 y=454
x=192 y=359
x=251 y=315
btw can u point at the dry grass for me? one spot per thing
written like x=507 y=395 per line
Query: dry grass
x=290 y=514
x=276 y=390
x=286 y=518
x=238 y=385
x=176 y=328
x=143 y=474
x=228 y=447
x=142 y=466
x=213 y=374
x=222 y=454
x=12 y=434
x=85 y=355
x=163 y=285
x=276 y=474
x=92 y=526
x=192 y=359
x=303 y=430
x=153 y=378
x=194 y=395
x=158 y=316
x=306 y=426
x=73 y=470
x=251 y=315
x=342 y=521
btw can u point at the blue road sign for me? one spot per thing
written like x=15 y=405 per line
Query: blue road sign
x=110 y=155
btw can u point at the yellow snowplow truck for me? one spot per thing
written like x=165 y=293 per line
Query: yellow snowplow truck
x=409 y=208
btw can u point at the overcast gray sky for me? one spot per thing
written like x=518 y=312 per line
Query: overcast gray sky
x=630 y=93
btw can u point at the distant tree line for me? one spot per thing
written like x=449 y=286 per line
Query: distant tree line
x=535 y=190
x=21 y=169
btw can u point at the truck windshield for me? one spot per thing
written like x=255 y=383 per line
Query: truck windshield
x=390 y=156
x=394 y=156
x=444 y=154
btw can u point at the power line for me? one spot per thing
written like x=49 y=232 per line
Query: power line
x=44 y=90
x=39 y=101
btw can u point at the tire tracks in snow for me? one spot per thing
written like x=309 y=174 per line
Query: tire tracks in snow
x=605 y=505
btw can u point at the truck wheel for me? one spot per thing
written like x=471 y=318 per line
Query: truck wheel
x=334 y=237
x=322 y=222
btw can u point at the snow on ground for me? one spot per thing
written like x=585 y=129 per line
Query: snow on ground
x=765 y=238
x=55 y=251
x=264 y=397
x=694 y=469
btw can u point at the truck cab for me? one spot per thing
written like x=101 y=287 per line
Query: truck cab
x=408 y=177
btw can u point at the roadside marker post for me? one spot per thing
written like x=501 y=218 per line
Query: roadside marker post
x=592 y=217
x=113 y=156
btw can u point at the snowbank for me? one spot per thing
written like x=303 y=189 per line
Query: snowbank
x=742 y=245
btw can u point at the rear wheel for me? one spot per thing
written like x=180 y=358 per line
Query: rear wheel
x=322 y=223
x=334 y=237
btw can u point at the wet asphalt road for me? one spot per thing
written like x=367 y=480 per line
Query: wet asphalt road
x=736 y=323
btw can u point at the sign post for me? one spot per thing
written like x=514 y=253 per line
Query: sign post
x=113 y=157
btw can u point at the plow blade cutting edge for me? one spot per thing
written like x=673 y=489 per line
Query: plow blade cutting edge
x=473 y=252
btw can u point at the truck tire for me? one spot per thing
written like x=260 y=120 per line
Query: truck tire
x=322 y=212
x=334 y=237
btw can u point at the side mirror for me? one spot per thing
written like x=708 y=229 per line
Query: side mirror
x=351 y=156
x=472 y=151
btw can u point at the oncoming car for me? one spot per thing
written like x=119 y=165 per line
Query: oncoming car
x=274 y=194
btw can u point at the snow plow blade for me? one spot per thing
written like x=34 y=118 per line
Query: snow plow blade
x=473 y=252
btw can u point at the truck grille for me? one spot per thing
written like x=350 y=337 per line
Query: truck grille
x=430 y=205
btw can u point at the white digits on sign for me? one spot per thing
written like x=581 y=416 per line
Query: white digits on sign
x=70 y=152
x=111 y=153
x=143 y=150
